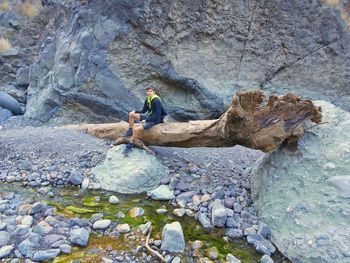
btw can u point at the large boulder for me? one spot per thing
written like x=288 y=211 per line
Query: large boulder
x=173 y=238
x=10 y=103
x=303 y=192
x=137 y=173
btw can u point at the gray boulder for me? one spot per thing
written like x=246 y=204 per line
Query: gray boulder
x=204 y=220
x=102 y=224
x=6 y=250
x=266 y=259
x=4 y=238
x=218 y=213
x=4 y=114
x=137 y=173
x=162 y=192
x=79 y=236
x=46 y=254
x=76 y=177
x=22 y=76
x=173 y=238
x=10 y=103
x=308 y=186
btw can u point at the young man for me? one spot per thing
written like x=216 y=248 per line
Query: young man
x=152 y=114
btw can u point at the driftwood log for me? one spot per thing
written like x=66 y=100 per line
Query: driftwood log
x=251 y=121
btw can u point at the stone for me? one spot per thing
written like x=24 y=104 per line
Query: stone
x=85 y=183
x=102 y=224
x=27 y=220
x=123 y=228
x=266 y=259
x=27 y=246
x=161 y=211
x=232 y=259
x=144 y=228
x=113 y=199
x=162 y=192
x=37 y=207
x=173 y=238
x=320 y=165
x=196 y=200
x=76 y=177
x=4 y=238
x=136 y=212
x=237 y=207
x=231 y=223
x=22 y=76
x=182 y=186
x=10 y=103
x=212 y=253
x=107 y=260
x=5 y=114
x=180 y=212
x=79 y=236
x=176 y=260
x=65 y=248
x=42 y=228
x=342 y=184
x=197 y=244
x=141 y=178
x=52 y=238
x=234 y=233
x=9 y=53
x=249 y=231
x=204 y=220
x=205 y=198
x=6 y=250
x=219 y=214
x=185 y=197
x=263 y=230
x=46 y=254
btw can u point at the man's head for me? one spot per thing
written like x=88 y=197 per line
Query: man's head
x=150 y=91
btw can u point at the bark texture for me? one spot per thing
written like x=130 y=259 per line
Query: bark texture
x=251 y=120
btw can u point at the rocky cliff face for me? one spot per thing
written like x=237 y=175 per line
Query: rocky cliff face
x=197 y=54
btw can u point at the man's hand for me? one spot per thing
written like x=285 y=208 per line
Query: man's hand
x=132 y=114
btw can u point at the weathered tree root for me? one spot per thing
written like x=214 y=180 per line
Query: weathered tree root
x=156 y=253
x=251 y=121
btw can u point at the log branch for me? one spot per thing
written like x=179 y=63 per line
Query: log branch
x=156 y=253
x=251 y=121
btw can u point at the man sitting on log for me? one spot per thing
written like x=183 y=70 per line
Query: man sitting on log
x=152 y=114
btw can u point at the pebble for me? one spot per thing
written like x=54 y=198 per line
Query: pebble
x=102 y=224
x=123 y=228
x=113 y=200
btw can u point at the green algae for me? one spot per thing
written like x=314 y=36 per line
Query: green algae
x=79 y=210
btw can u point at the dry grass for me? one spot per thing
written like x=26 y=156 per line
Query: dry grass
x=4 y=6
x=30 y=8
x=4 y=44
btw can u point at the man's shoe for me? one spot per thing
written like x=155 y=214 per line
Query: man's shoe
x=128 y=149
x=128 y=133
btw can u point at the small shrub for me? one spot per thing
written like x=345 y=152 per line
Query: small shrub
x=30 y=9
x=4 y=6
x=4 y=44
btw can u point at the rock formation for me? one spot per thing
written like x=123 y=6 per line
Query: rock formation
x=302 y=193
x=94 y=58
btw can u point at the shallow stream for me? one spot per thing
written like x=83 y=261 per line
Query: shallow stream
x=73 y=202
